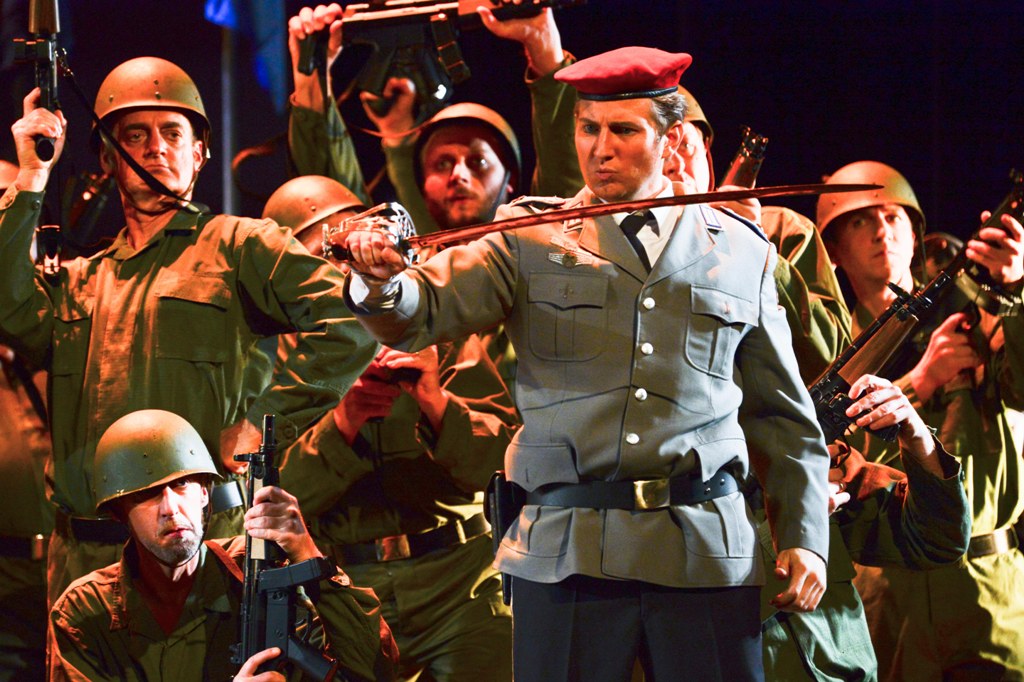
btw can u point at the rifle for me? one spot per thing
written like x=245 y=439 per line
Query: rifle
x=42 y=52
x=415 y=39
x=270 y=591
x=871 y=351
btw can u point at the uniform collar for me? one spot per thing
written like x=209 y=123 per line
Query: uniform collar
x=182 y=222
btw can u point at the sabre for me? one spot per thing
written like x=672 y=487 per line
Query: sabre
x=393 y=219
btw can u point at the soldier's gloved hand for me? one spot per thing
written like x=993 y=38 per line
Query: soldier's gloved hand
x=308 y=21
x=275 y=516
x=538 y=35
x=806 y=573
x=247 y=673
x=1000 y=250
x=371 y=397
x=398 y=122
x=426 y=390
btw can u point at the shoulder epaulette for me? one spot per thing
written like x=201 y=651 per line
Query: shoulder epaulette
x=754 y=227
x=538 y=203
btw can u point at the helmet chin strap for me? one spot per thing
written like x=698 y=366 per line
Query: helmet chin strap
x=501 y=198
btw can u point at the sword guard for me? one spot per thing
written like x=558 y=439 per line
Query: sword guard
x=389 y=218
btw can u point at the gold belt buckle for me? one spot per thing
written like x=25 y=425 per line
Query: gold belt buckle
x=392 y=548
x=1001 y=541
x=651 y=494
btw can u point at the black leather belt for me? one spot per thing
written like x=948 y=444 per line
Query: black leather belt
x=111 y=532
x=395 y=547
x=14 y=547
x=82 y=529
x=996 y=542
x=636 y=495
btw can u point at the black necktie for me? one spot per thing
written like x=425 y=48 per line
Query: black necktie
x=631 y=225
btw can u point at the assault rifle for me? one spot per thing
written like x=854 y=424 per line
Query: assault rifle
x=42 y=52
x=415 y=39
x=874 y=347
x=270 y=589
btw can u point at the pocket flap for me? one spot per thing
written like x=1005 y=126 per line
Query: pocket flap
x=208 y=289
x=568 y=292
x=726 y=307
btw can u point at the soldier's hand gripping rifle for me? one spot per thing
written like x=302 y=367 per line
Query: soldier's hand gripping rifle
x=871 y=350
x=415 y=39
x=270 y=593
x=41 y=51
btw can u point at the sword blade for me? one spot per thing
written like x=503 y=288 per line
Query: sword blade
x=448 y=237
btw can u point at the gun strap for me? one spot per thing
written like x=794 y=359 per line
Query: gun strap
x=25 y=377
x=233 y=568
x=147 y=177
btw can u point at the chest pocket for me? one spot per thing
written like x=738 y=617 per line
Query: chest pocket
x=568 y=317
x=718 y=321
x=192 y=318
x=72 y=324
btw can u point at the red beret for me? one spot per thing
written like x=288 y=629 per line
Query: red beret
x=626 y=73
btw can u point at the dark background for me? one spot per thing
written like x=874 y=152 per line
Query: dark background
x=932 y=88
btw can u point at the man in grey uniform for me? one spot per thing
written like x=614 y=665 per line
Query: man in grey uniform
x=655 y=370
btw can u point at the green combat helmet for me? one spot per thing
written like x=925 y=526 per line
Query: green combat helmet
x=305 y=201
x=151 y=83
x=895 y=190
x=146 y=449
x=471 y=113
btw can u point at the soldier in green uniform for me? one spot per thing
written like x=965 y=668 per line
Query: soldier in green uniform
x=391 y=481
x=169 y=315
x=963 y=621
x=169 y=609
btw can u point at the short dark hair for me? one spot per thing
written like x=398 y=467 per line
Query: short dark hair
x=668 y=110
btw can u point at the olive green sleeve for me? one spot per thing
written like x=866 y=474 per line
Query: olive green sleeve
x=301 y=292
x=356 y=633
x=557 y=172
x=78 y=624
x=1010 y=359
x=320 y=144
x=26 y=309
x=917 y=520
x=401 y=171
x=808 y=290
x=480 y=420
x=320 y=468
